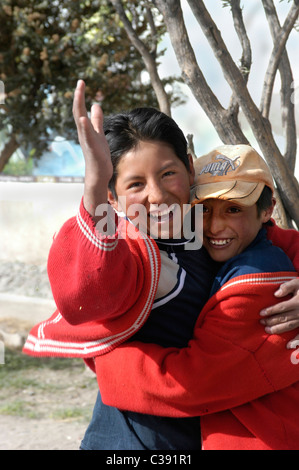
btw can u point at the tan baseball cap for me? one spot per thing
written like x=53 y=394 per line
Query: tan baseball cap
x=231 y=172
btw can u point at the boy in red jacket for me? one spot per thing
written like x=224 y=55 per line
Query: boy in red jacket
x=244 y=383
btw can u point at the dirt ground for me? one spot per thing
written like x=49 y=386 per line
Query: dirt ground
x=19 y=433
x=45 y=404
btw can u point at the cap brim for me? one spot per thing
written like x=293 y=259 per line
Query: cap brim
x=242 y=192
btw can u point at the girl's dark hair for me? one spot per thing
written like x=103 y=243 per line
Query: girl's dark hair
x=125 y=130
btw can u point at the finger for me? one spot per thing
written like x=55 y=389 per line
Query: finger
x=287 y=288
x=79 y=107
x=282 y=328
x=97 y=118
x=280 y=318
x=282 y=307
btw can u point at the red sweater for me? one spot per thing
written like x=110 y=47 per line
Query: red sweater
x=230 y=364
x=86 y=276
x=94 y=319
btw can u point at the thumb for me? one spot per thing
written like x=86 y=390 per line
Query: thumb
x=285 y=289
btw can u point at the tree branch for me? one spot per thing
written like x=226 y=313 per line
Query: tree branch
x=149 y=59
x=9 y=148
x=153 y=28
x=276 y=55
x=287 y=183
x=228 y=130
x=246 y=60
x=287 y=79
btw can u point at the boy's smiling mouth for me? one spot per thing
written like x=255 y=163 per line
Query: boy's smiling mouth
x=220 y=242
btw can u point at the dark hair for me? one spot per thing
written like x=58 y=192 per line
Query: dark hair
x=125 y=130
x=264 y=202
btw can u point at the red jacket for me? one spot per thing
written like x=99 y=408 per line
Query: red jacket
x=85 y=276
x=231 y=364
x=94 y=319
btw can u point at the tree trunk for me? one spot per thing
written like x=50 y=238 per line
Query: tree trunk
x=287 y=79
x=9 y=149
x=287 y=184
x=224 y=122
x=228 y=130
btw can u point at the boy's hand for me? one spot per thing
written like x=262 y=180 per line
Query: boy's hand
x=284 y=316
x=98 y=165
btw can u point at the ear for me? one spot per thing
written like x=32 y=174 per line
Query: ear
x=192 y=170
x=112 y=200
x=267 y=214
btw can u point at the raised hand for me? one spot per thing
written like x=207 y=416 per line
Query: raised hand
x=98 y=166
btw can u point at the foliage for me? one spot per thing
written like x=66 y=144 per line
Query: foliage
x=19 y=167
x=45 y=47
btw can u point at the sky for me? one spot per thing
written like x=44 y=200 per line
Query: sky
x=190 y=116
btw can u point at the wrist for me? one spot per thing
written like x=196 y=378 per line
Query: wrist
x=94 y=195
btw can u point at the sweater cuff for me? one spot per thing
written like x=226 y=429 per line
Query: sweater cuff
x=107 y=227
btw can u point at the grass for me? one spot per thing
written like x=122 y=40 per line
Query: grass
x=17 y=361
x=51 y=388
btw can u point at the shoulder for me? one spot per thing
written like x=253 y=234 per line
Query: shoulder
x=260 y=257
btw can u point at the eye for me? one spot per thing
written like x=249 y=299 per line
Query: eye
x=205 y=209
x=234 y=210
x=135 y=184
x=168 y=173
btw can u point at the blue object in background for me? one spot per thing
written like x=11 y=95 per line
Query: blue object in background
x=63 y=159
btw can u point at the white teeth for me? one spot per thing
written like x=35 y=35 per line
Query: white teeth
x=220 y=242
x=158 y=215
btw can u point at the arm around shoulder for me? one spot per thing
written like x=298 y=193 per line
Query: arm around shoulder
x=229 y=362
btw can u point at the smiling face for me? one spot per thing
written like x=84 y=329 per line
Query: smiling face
x=229 y=227
x=152 y=176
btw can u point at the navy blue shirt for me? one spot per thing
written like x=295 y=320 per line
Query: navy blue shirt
x=171 y=324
